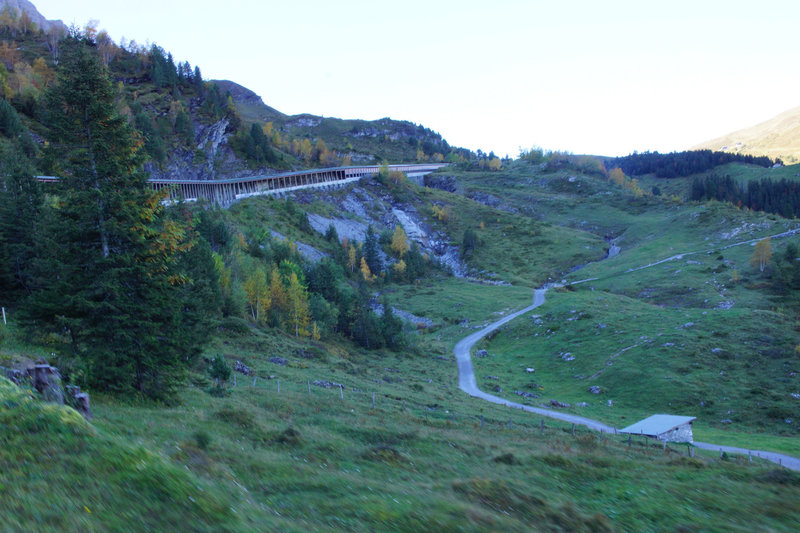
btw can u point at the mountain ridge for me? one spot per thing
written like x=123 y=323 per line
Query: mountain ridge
x=777 y=137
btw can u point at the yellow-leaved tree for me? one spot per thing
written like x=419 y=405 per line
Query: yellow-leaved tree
x=761 y=254
x=399 y=268
x=351 y=258
x=277 y=292
x=617 y=176
x=399 y=241
x=365 y=271
x=257 y=292
x=297 y=299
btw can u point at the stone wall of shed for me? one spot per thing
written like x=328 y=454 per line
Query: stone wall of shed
x=679 y=434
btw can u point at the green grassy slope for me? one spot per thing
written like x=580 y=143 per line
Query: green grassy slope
x=699 y=335
x=61 y=473
x=522 y=251
x=427 y=456
x=739 y=172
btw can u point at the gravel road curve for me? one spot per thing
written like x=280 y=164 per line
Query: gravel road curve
x=467 y=383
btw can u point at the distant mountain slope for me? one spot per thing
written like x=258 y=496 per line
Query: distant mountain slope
x=23 y=6
x=250 y=105
x=363 y=141
x=778 y=137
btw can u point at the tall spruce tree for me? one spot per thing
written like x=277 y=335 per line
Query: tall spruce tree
x=111 y=275
x=20 y=205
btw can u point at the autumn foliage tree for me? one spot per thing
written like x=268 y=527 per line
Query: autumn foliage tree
x=257 y=292
x=277 y=292
x=762 y=253
x=399 y=242
x=297 y=299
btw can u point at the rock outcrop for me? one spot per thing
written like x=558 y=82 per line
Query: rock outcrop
x=46 y=380
x=23 y=6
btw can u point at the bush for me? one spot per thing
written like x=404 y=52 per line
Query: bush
x=234 y=325
x=202 y=439
x=220 y=371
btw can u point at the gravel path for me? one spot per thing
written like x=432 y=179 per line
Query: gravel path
x=467 y=382
x=466 y=375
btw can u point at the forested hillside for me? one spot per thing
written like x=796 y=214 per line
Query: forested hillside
x=128 y=291
x=682 y=164
x=288 y=363
x=194 y=128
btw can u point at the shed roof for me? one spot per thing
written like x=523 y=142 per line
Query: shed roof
x=658 y=424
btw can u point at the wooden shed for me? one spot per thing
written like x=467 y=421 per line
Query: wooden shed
x=669 y=428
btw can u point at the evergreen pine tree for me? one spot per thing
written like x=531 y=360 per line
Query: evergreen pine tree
x=20 y=206
x=198 y=82
x=110 y=270
x=364 y=325
x=391 y=326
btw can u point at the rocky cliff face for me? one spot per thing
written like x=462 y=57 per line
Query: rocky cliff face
x=212 y=158
x=369 y=204
x=23 y=6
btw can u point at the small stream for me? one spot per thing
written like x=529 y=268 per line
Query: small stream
x=612 y=251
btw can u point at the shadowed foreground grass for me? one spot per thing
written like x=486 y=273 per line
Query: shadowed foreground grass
x=426 y=457
x=59 y=473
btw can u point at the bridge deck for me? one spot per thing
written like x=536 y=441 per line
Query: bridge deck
x=225 y=192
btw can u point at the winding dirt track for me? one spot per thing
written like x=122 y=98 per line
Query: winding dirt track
x=466 y=375
x=467 y=382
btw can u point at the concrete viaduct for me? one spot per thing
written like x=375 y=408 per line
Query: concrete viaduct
x=226 y=192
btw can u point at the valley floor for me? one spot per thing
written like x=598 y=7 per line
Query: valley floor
x=326 y=435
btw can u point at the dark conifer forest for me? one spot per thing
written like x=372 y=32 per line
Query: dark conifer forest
x=682 y=164
x=781 y=197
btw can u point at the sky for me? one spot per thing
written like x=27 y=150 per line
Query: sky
x=591 y=77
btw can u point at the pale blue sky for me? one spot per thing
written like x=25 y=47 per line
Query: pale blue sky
x=586 y=76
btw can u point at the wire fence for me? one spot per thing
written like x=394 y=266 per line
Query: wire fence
x=491 y=419
x=329 y=393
